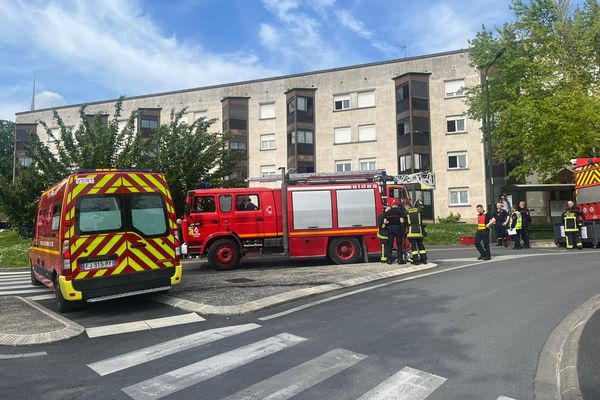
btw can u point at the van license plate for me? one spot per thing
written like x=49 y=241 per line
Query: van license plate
x=97 y=265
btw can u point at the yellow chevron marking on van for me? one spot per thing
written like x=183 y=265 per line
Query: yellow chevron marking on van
x=133 y=189
x=77 y=244
x=100 y=273
x=123 y=263
x=111 y=190
x=138 y=180
x=110 y=244
x=82 y=275
x=94 y=244
x=125 y=181
x=169 y=249
x=79 y=187
x=101 y=183
x=155 y=252
x=157 y=183
x=135 y=265
x=150 y=263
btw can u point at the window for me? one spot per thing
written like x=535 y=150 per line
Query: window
x=238 y=116
x=356 y=208
x=305 y=137
x=237 y=145
x=311 y=209
x=268 y=170
x=366 y=133
x=121 y=125
x=203 y=204
x=343 y=166
x=25 y=161
x=185 y=117
x=457 y=160
x=267 y=111
x=405 y=162
x=302 y=103
x=459 y=197
x=56 y=217
x=148 y=214
x=99 y=214
x=225 y=202
x=267 y=142
x=366 y=99
x=342 y=135
x=149 y=122
x=367 y=164
x=341 y=102
x=246 y=202
x=422 y=162
x=455 y=124
x=454 y=88
x=199 y=114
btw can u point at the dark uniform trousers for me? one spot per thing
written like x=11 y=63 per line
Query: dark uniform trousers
x=397 y=233
x=524 y=233
x=383 y=238
x=418 y=253
x=483 y=236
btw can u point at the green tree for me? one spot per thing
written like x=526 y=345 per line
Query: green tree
x=7 y=139
x=188 y=155
x=545 y=89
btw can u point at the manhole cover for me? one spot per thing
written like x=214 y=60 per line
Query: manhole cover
x=240 y=280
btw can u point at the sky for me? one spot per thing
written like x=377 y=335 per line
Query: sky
x=83 y=51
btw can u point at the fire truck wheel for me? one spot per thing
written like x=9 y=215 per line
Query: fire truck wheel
x=344 y=250
x=34 y=280
x=64 y=306
x=224 y=254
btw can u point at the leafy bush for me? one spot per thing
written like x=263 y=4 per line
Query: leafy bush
x=450 y=219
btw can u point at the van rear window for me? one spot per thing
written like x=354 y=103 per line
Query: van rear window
x=144 y=213
x=99 y=214
x=147 y=214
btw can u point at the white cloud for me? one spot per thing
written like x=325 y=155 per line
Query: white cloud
x=447 y=29
x=353 y=24
x=115 y=45
x=47 y=99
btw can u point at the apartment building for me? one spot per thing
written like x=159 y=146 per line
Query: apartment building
x=403 y=116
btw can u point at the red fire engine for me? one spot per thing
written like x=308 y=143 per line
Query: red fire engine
x=587 y=190
x=311 y=215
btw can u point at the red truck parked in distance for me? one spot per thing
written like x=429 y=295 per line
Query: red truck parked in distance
x=311 y=215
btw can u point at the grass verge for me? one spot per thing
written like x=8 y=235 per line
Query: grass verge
x=14 y=251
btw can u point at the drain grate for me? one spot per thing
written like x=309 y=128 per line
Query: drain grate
x=240 y=280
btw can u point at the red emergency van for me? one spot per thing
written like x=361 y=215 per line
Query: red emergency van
x=104 y=234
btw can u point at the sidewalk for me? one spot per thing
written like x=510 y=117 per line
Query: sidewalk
x=588 y=365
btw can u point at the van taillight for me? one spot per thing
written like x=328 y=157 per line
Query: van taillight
x=66 y=255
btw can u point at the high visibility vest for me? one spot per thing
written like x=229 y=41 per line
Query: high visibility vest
x=415 y=229
x=570 y=221
x=481 y=221
x=519 y=223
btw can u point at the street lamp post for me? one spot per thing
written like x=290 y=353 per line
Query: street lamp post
x=488 y=132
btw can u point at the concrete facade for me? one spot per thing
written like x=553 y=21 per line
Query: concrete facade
x=376 y=77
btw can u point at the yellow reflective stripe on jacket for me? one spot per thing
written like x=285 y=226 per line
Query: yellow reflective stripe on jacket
x=519 y=223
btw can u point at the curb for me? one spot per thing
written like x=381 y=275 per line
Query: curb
x=270 y=301
x=556 y=377
x=71 y=329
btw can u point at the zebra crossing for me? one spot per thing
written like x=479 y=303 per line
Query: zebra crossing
x=19 y=283
x=406 y=384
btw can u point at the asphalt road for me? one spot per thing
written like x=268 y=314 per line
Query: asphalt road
x=468 y=333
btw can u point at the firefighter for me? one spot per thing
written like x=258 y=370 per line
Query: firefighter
x=484 y=221
x=396 y=232
x=416 y=232
x=501 y=217
x=516 y=224
x=526 y=214
x=382 y=233
x=573 y=220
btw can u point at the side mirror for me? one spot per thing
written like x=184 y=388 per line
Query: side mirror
x=186 y=209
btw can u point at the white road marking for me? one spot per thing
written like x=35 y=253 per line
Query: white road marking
x=15 y=273
x=19 y=279
x=179 y=379
x=141 y=356
x=42 y=297
x=295 y=380
x=7 y=293
x=16 y=285
x=505 y=398
x=410 y=278
x=22 y=355
x=407 y=384
x=135 y=326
